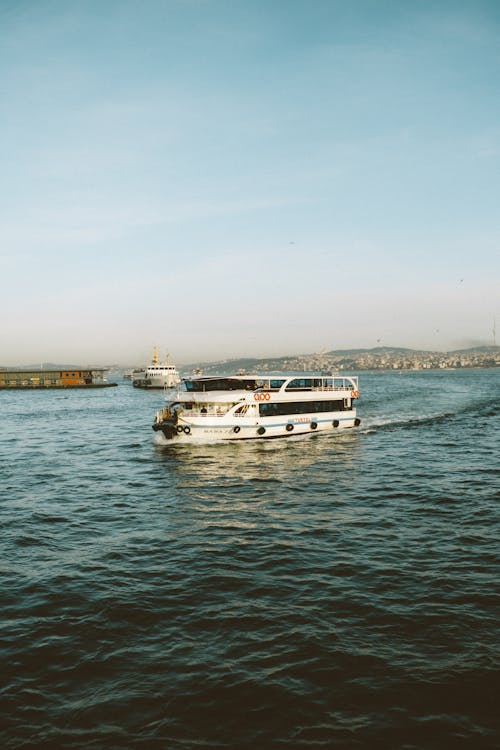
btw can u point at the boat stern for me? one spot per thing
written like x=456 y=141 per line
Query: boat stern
x=166 y=423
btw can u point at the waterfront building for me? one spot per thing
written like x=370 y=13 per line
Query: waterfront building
x=55 y=378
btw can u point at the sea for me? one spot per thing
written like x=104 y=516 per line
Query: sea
x=335 y=591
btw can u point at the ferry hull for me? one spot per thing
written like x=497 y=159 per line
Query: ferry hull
x=189 y=432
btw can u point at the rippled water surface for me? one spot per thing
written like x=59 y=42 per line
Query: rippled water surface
x=337 y=591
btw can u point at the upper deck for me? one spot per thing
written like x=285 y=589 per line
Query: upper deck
x=275 y=383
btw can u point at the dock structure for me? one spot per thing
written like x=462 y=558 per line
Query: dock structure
x=61 y=378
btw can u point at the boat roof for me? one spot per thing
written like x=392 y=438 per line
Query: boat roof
x=265 y=376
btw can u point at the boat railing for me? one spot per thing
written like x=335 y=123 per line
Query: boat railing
x=341 y=384
x=214 y=411
x=347 y=383
x=344 y=387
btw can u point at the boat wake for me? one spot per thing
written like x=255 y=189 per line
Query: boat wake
x=484 y=408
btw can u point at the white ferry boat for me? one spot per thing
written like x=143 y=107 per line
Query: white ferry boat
x=156 y=375
x=243 y=407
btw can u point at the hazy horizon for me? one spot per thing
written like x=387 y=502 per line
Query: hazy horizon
x=231 y=179
x=187 y=363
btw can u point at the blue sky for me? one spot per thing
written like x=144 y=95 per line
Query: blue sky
x=230 y=178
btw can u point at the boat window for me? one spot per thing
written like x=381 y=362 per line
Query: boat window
x=308 y=384
x=300 y=384
x=219 y=384
x=276 y=409
x=276 y=384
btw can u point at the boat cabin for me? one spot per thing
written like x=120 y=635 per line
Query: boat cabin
x=255 y=383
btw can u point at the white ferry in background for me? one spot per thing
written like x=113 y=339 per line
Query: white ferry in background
x=156 y=375
x=244 y=407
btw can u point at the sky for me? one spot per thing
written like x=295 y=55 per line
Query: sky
x=228 y=178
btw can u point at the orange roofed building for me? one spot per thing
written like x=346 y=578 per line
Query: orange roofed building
x=63 y=378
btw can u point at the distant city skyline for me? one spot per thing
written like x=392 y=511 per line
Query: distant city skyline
x=372 y=358
x=225 y=179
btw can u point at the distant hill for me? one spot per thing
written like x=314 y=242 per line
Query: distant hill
x=477 y=350
x=338 y=357
x=374 y=350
